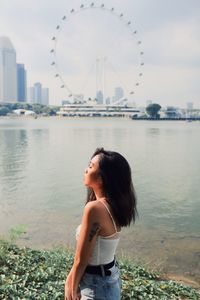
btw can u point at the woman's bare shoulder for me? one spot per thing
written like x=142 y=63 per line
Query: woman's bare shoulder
x=92 y=213
x=94 y=207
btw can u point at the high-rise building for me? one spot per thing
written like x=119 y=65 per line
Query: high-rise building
x=99 y=97
x=38 y=92
x=45 y=96
x=21 y=83
x=119 y=93
x=8 y=71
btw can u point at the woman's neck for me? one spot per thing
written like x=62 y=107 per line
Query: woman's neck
x=99 y=193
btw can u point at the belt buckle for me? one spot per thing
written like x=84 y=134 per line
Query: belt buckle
x=105 y=272
x=108 y=272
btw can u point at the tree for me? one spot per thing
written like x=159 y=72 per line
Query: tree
x=37 y=108
x=153 y=109
x=4 y=111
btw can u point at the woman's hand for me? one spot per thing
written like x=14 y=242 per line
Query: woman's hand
x=69 y=293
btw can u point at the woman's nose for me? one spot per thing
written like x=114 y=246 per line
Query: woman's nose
x=86 y=170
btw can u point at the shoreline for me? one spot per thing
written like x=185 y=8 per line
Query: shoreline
x=22 y=117
x=187 y=279
x=50 y=267
x=182 y=261
x=182 y=279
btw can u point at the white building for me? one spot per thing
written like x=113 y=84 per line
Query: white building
x=24 y=112
x=93 y=109
x=8 y=71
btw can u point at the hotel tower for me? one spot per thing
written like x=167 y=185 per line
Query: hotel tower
x=8 y=71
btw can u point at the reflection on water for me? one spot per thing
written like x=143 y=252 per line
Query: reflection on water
x=13 y=146
x=13 y=160
x=41 y=170
x=152 y=131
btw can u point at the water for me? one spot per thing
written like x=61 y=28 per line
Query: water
x=41 y=171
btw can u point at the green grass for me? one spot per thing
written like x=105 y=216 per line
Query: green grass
x=35 y=274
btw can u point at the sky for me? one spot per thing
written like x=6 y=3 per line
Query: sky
x=96 y=49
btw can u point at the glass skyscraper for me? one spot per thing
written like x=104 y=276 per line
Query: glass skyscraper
x=8 y=71
x=38 y=92
x=21 y=83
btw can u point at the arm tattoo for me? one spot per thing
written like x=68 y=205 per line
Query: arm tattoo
x=95 y=228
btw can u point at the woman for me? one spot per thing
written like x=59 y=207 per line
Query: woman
x=111 y=204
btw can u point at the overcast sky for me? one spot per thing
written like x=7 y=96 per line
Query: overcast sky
x=168 y=29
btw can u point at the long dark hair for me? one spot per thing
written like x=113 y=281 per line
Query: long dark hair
x=115 y=173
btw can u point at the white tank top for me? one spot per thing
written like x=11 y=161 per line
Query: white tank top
x=105 y=246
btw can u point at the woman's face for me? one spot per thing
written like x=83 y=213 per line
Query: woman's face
x=91 y=175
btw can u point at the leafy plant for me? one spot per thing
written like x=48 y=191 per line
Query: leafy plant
x=16 y=232
x=27 y=274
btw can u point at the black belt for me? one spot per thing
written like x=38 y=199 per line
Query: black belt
x=102 y=270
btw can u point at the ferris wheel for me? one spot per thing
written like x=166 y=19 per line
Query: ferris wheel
x=128 y=25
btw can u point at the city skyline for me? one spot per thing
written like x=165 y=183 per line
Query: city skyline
x=13 y=78
x=168 y=31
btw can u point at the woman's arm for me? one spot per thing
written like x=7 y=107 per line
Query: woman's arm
x=90 y=227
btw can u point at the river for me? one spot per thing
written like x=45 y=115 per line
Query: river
x=41 y=184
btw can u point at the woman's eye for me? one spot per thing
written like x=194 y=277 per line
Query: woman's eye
x=90 y=165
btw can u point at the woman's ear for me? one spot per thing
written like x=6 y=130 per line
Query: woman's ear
x=100 y=180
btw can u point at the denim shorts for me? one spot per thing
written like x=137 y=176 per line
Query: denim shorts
x=96 y=287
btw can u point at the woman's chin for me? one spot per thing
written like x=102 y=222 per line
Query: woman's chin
x=85 y=182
